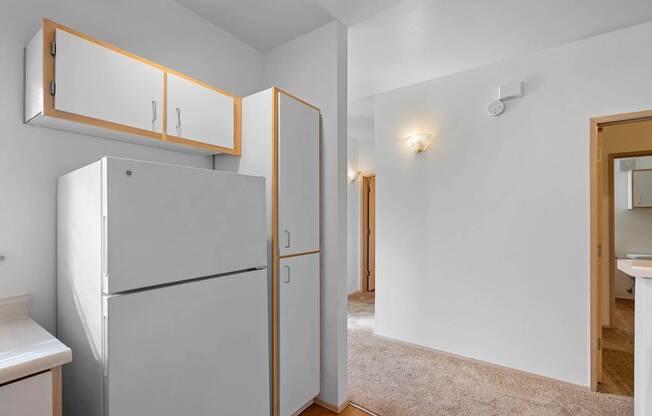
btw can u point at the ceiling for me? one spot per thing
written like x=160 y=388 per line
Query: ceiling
x=266 y=24
x=417 y=40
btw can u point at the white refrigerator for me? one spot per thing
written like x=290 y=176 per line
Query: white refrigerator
x=162 y=290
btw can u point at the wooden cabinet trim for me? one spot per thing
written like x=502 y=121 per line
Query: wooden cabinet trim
x=57 y=406
x=49 y=29
x=276 y=401
x=294 y=97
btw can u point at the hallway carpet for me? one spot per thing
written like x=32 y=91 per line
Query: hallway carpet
x=392 y=378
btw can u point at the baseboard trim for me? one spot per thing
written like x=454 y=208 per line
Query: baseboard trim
x=304 y=407
x=476 y=360
x=367 y=411
x=333 y=408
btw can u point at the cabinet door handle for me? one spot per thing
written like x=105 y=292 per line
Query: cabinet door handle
x=287 y=274
x=287 y=239
x=178 y=121
x=154 y=115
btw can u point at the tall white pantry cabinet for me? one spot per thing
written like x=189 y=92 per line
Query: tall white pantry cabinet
x=281 y=142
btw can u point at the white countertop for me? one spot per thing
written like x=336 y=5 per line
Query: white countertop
x=25 y=347
x=636 y=268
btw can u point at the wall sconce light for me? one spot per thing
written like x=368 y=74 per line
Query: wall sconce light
x=419 y=142
x=353 y=175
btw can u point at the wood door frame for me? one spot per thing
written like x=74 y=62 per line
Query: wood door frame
x=595 y=259
x=364 y=237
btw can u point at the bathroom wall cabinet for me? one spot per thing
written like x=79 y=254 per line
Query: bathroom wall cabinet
x=77 y=83
x=640 y=189
x=281 y=142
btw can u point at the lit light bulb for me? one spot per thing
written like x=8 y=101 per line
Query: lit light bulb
x=419 y=142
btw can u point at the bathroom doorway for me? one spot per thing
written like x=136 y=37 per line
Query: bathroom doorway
x=621 y=147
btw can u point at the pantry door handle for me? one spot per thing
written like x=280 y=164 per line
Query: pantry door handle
x=287 y=239
x=287 y=274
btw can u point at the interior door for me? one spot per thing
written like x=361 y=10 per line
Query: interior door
x=169 y=223
x=299 y=331
x=298 y=176
x=199 y=113
x=98 y=82
x=371 y=241
x=197 y=348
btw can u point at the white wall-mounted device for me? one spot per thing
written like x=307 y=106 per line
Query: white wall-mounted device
x=510 y=90
x=505 y=92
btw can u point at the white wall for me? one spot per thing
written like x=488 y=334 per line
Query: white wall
x=31 y=158
x=313 y=67
x=418 y=40
x=483 y=240
x=633 y=227
x=353 y=219
x=360 y=158
x=361 y=149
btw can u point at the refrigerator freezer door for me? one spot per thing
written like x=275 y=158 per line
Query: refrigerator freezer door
x=169 y=223
x=197 y=348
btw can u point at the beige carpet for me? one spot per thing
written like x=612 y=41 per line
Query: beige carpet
x=391 y=378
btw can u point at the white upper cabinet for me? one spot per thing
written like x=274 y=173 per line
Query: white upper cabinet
x=298 y=176
x=100 y=83
x=640 y=189
x=199 y=113
x=77 y=83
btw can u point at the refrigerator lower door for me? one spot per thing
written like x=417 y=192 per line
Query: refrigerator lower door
x=197 y=348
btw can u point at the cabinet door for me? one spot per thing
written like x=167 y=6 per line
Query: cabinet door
x=98 y=82
x=642 y=185
x=198 y=113
x=298 y=331
x=28 y=397
x=298 y=176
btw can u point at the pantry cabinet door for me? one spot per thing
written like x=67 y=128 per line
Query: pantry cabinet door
x=199 y=113
x=99 y=82
x=299 y=331
x=298 y=176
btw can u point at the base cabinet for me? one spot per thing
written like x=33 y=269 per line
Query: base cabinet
x=299 y=331
x=31 y=396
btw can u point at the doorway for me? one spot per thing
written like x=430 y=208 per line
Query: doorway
x=368 y=234
x=615 y=143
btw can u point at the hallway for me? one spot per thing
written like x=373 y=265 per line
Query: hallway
x=392 y=378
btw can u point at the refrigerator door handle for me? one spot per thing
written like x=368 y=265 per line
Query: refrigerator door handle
x=105 y=249
x=287 y=274
x=105 y=336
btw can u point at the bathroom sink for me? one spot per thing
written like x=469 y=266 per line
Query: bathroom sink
x=639 y=256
